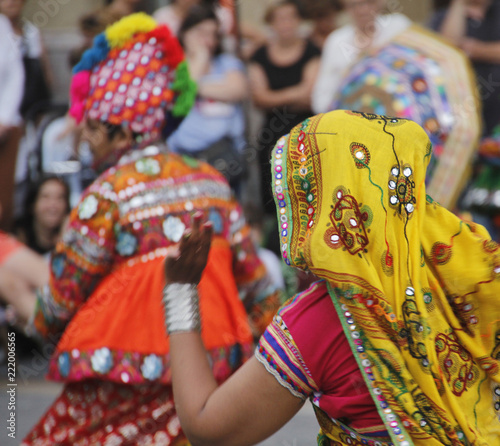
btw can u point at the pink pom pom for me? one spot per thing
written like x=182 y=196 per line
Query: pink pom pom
x=79 y=91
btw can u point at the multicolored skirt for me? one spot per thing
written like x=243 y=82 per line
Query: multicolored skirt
x=95 y=413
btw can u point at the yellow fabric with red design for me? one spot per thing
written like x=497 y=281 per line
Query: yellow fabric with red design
x=415 y=287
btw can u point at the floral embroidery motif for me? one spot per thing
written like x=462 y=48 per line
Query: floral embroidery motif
x=63 y=363
x=173 y=228
x=350 y=223
x=441 y=253
x=148 y=166
x=456 y=363
x=126 y=244
x=401 y=186
x=152 y=367
x=88 y=207
x=102 y=360
x=360 y=154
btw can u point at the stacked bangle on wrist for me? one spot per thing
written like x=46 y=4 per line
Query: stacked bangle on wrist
x=182 y=310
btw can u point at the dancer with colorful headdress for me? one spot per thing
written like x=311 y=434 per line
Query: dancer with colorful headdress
x=129 y=90
x=398 y=343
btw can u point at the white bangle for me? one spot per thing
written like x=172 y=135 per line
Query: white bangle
x=182 y=310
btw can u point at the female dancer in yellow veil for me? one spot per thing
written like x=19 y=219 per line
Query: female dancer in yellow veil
x=413 y=290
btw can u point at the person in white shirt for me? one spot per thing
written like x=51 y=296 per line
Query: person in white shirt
x=11 y=94
x=369 y=29
x=11 y=78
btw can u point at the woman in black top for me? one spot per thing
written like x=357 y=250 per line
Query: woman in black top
x=282 y=75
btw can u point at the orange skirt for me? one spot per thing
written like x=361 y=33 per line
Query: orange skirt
x=119 y=334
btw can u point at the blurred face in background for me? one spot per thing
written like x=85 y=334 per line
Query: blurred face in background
x=363 y=12
x=205 y=33
x=285 y=21
x=51 y=205
x=12 y=9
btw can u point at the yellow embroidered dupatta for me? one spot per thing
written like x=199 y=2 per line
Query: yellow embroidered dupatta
x=416 y=288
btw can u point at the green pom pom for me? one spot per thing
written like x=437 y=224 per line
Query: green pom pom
x=187 y=89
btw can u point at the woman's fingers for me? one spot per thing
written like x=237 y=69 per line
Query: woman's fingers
x=185 y=262
x=197 y=219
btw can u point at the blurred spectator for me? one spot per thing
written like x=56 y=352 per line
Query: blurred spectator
x=368 y=29
x=215 y=128
x=174 y=14
x=45 y=212
x=36 y=63
x=282 y=75
x=11 y=93
x=323 y=14
x=474 y=26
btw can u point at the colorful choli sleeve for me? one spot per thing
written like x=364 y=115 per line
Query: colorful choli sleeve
x=81 y=259
x=260 y=297
x=280 y=356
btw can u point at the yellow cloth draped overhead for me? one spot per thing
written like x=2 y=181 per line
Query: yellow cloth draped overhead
x=416 y=288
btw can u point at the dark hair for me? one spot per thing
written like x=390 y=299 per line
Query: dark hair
x=28 y=219
x=197 y=15
x=319 y=8
x=269 y=15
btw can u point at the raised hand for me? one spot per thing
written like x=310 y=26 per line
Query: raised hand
x=186 y=263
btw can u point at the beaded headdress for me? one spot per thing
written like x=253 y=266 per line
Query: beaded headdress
x=134 y=76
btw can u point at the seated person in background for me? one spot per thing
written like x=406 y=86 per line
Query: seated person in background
x=45 y=211
x=216 y=124
x=474 y=26
x=369 y=29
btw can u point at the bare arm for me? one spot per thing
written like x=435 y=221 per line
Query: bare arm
x=454 y=23
x=16 y=291
x=20 y=275
x=244 y=410
x=29 y=266
x=482 y=51
x=298 y=96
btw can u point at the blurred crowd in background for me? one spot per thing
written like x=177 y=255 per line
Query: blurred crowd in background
x=255 y=83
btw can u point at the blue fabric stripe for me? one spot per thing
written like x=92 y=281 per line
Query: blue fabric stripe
x=281 y=353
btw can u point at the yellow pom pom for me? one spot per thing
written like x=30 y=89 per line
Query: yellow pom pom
x=123 y=30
